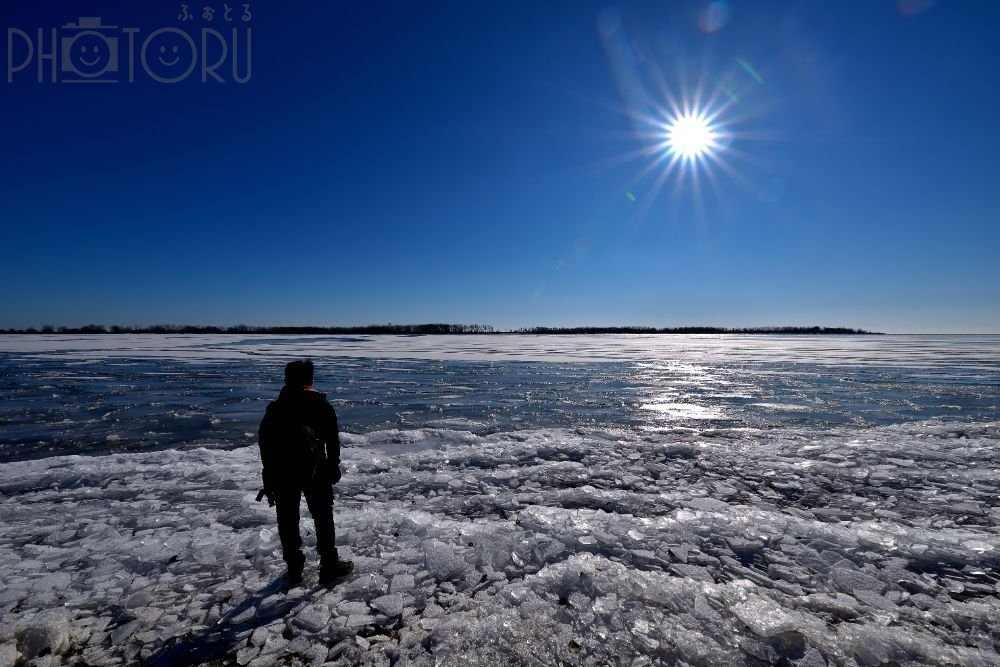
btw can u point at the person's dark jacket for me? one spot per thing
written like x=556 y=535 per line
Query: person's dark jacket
x=297 y=406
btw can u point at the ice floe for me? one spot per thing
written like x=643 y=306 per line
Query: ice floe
x=814 y=546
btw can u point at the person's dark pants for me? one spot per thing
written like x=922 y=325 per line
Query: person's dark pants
x=319 y=499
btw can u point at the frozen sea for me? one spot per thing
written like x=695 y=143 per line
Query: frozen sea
x=690 y=500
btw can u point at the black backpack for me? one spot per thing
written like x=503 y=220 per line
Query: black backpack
x=307 y=448
x=290 y=448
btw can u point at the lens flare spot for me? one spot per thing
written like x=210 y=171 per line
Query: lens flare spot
x=714 y=17
x=913 y=7
x=754 y=74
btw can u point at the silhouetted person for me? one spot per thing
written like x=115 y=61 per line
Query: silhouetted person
x=300 y=450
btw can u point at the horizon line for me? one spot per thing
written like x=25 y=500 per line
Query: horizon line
x=431 y=328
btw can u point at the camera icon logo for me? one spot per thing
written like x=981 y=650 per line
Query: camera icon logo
x=88 y=52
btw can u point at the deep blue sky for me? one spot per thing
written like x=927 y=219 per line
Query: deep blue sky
x=466 y=161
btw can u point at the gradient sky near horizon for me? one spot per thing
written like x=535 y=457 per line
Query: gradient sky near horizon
x=472 y=161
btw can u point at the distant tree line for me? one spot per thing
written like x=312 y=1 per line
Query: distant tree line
x=249 y=329
x=422 y=329
x=692 y=330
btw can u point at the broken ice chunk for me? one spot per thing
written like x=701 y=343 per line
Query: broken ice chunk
x=695 y=572
x=401 y=582
x=765 y=617
x=707 y=505
x=48 y=632
x=352 y=608
x=313 y=618
x=812 y=658
x=850 y=580
x=838 y=605
x=390 y=605
x=442 y=562
x=123 y=632
x=360 y=620
x=8 y=655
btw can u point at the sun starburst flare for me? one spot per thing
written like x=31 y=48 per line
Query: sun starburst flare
x=686 y=145
x=691 y=136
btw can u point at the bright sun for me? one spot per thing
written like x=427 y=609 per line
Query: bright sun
x=691 y=136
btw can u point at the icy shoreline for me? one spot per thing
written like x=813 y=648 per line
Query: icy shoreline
x=809 y=547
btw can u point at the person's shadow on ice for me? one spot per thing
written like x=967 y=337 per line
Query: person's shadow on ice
x=230 y=632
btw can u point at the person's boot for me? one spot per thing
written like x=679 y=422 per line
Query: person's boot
x=333 y=568
x=296 y=563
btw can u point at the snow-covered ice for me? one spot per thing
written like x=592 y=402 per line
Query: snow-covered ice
x=689 y=500
x=847 y=546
